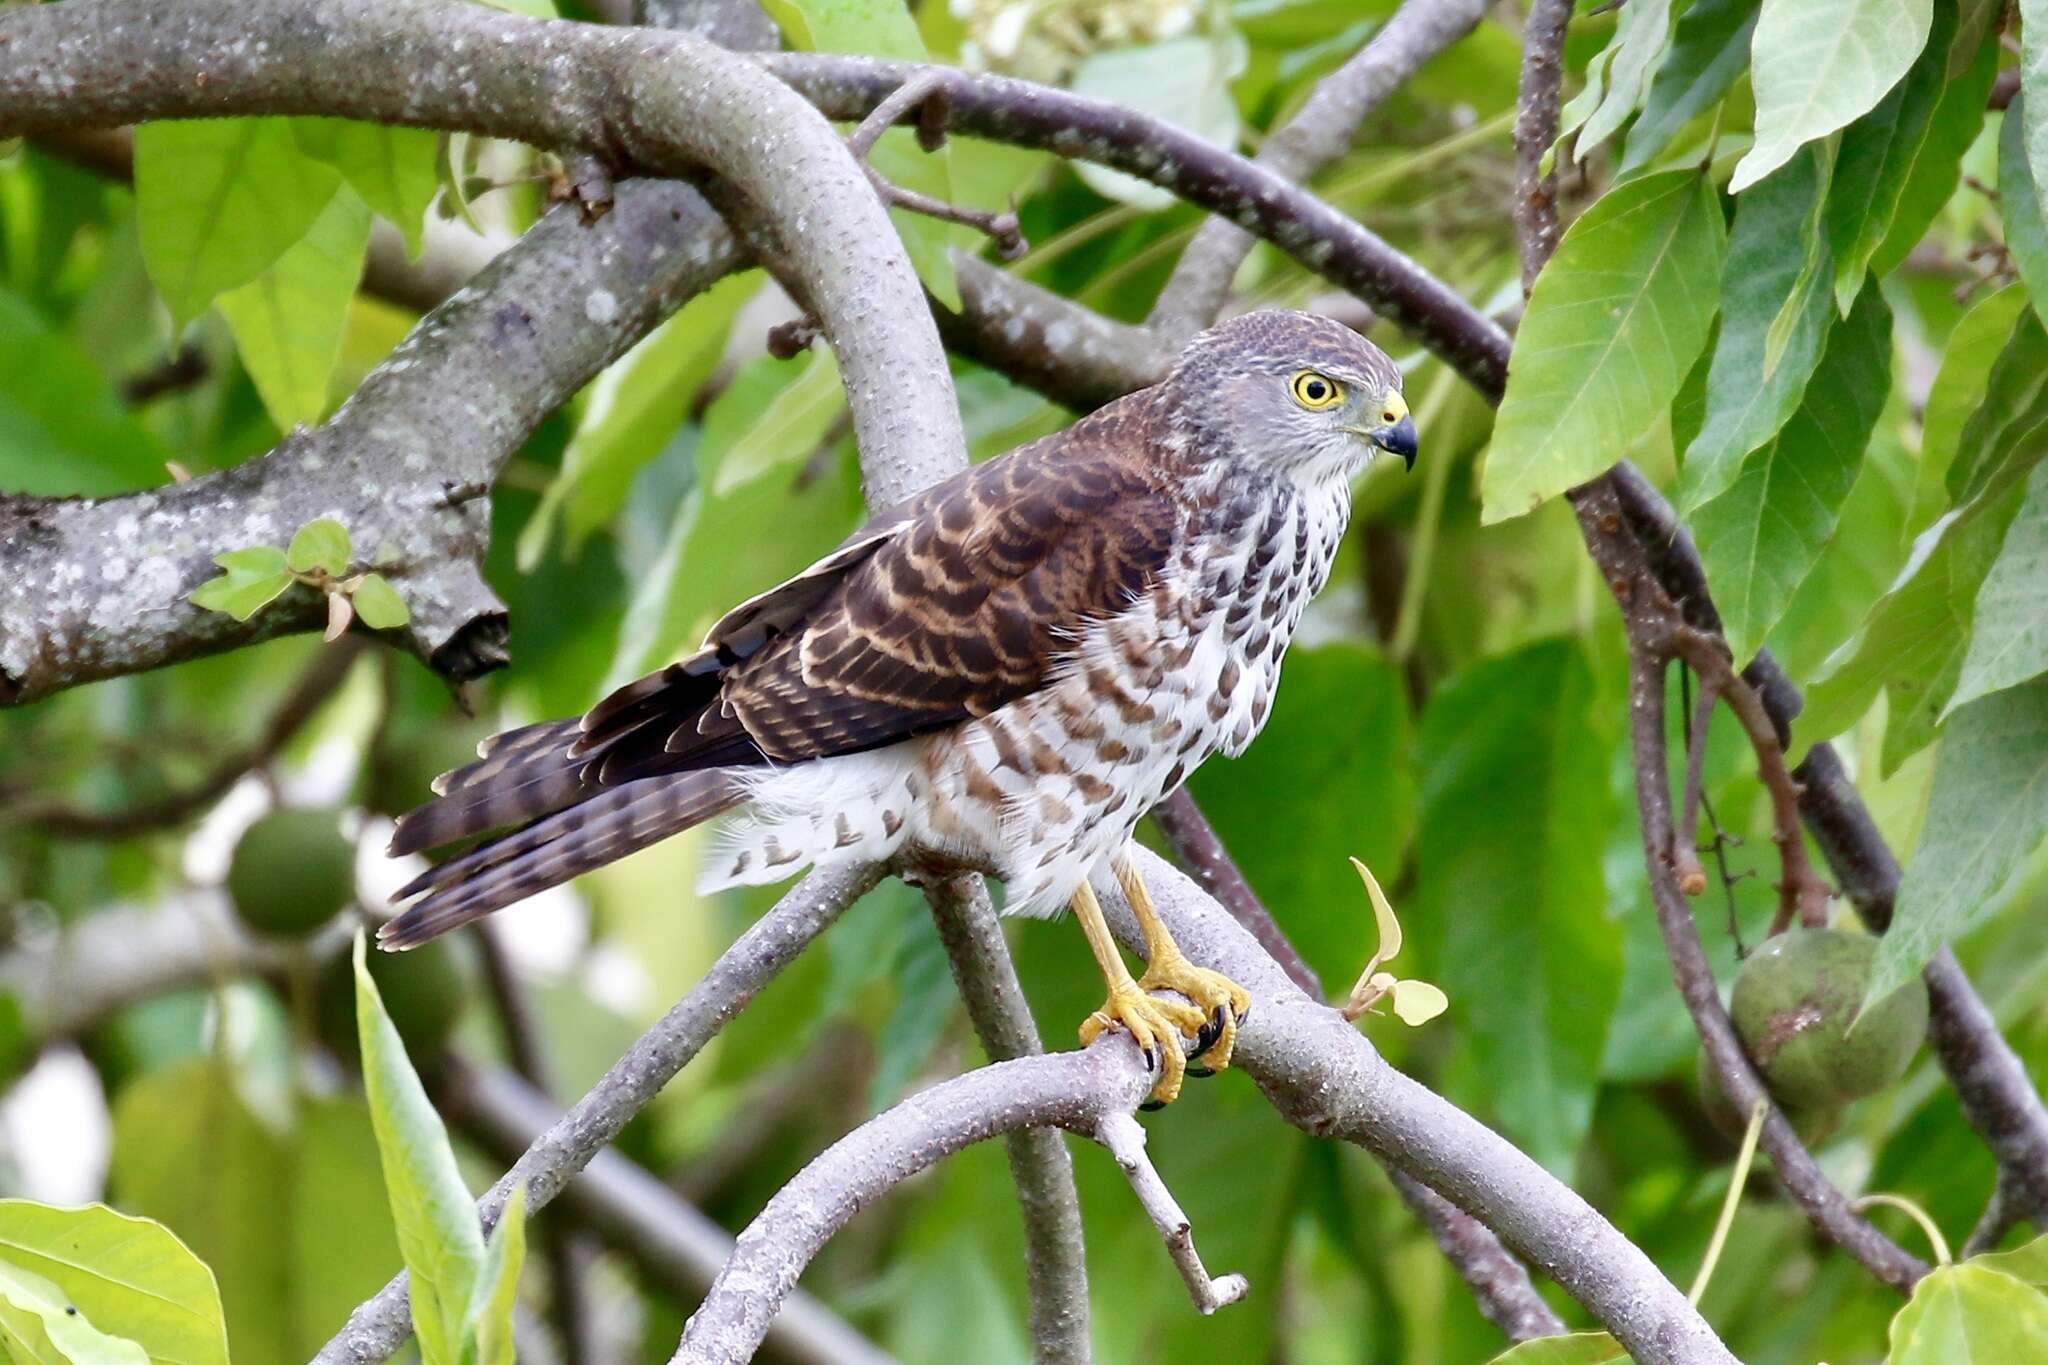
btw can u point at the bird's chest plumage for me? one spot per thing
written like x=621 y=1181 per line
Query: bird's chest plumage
x=1050 y=785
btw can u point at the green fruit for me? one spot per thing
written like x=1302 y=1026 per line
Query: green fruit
x=1814 y=1126
x=1794 y=1003
x=425 y=991
x=292 y=872
x=403 y=776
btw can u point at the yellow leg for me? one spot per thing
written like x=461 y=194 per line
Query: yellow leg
x=1217 y=997
x=1152 y=1022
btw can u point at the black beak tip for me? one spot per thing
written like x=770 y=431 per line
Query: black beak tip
x=1399 y=439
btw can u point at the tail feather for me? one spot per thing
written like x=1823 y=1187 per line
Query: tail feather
x=555 y=849
x=522 y=775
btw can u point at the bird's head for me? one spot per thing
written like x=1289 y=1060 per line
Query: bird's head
x=1294 y=391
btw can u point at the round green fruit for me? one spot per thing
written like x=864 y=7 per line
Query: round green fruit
x=1794 y=1003
x=425 y=991
x=292 y=872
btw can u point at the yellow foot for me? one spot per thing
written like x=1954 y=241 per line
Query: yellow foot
x=1222 y=1002
x=1154 y=1024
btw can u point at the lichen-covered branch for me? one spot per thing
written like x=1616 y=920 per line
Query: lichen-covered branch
x=381 y=1325
x=1319 y=133
x=95 y=588
x=640 y=100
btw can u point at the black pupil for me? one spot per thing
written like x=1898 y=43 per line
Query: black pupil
x=1316 y=390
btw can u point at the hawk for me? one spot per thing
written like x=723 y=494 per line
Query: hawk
x=1004 y=673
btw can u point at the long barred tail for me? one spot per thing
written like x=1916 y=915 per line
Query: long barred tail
x=561 y=825
x=618 y=821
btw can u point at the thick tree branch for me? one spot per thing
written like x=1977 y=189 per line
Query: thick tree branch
x=641 y=100
x=1317 y=135
x=677 y=1245
x=381 y=1325
x=1055 y=1256
x=97 y=587
x=1536 y=225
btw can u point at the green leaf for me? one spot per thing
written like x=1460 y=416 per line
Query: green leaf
x=288 y=321
x=497 y=1289
x=176 y=1120
x=2034 y=80
x=1974 y=345
x=433 y=1210
x=790 y=427
x=884 y=28
x=1969 y=1315
x=2019 y=199
x=1709 y=51
x=1899 y=163
x=1761 y=537
x=63 y=430
x=2009 y=637
x=379 y=604
x=723 y=548
x=1638 y=45
x=1615 y=322
x=1575 y=1348
x=38 y=1324
x=129 y=1277
x=1821 y=63
x=924 y=1009
x=532 y=9
x=2027 y=1262
x=1511 y=832
x=1766 y=287
x=395 y=170
x=337 y=1234
x=323 y=545
x=1987 y=811
x=219 y=200
x=1308 y=796
x=1913 y=645
x=629 y=414
x=254 y=579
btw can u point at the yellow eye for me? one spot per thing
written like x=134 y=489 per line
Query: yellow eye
x=1316 y=392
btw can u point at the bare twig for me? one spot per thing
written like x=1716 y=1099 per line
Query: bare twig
x=1535 y=129
x=1125 y=1139
x=1685 y=856
x=1657 y=634
x=1499 y=1281
x=381 y=1325
x=1997 y=1219
x=1054 y=1255
x=326 y=673
x=1317 y=135
x=678 y=1246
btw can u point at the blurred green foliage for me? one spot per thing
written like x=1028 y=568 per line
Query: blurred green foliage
x=1839 y=370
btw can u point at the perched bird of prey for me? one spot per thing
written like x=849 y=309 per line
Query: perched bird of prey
x=1003 y=674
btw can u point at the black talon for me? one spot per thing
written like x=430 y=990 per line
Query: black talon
x=1206 y=1037
x=1151 y=1059
x=1204 y=1072
x=1151 y=1106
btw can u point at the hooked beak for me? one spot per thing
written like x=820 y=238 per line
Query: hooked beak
x=1397 y=439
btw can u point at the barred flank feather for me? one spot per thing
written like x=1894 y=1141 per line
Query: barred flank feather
x=556 y=848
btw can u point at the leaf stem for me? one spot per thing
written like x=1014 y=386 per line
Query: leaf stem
x=1736 y=1180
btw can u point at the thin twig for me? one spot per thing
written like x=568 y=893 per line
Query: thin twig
x=320 y=680
x=1685 y=857
x=925 y=92
x=1125 y=1139
x=1536 y=226
x=1318 y=134
x=1499 y=1282
x=1997 y=1219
